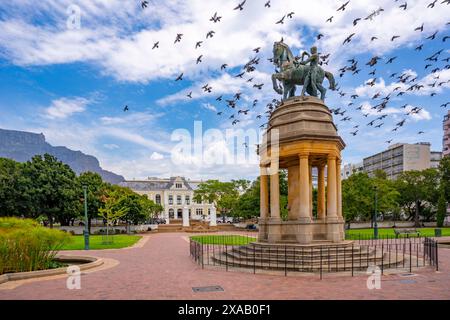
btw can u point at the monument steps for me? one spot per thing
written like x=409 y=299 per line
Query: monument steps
x=308 y=259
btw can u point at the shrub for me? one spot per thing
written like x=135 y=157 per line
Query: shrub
x=27 y=246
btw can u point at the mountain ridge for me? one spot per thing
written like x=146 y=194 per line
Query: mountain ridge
x=21 y=146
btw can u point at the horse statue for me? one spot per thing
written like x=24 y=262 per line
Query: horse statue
x=293 y=73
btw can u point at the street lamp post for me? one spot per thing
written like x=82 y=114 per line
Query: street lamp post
x=86 y=226
x=375 y=224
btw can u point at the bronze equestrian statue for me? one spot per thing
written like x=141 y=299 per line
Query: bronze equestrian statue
x=294 y=72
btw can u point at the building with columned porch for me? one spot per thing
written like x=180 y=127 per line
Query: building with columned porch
x=175 y=194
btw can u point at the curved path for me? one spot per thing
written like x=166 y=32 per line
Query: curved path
x=160 y=267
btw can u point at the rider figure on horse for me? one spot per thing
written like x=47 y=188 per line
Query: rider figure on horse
x=313 y=60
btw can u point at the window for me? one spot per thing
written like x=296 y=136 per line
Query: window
x=178 y=185
x=170 y=199
x=171 y=213
x=179 y=214
x=199 y=211
x=158 y=199
x=187 y=199
x=178 y=199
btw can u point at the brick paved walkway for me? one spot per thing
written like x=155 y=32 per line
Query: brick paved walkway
x=162 y=269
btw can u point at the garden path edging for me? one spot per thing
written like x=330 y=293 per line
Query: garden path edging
x=94 y=262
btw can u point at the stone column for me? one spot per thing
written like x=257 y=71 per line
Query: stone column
x=274 y=223
x=339 y=189
x=310 y=191
x=274 y=196
x=304 y=188
x=333 y=224
x=304 y=234
x=213 y=217
x=331 y=189
x=293 y=192
x=185 y=217
x=321 y=192
x=264 y=196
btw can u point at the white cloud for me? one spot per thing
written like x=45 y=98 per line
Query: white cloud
x=136 y=118
x=209 y=106
x=111 y=146
x=156 y=156
x=65 y=107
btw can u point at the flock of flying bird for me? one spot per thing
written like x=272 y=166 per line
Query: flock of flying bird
x=406 y=81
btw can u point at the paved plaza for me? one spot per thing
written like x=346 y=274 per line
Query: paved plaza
x=160 y=267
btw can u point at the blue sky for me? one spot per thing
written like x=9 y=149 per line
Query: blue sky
x=72 y=83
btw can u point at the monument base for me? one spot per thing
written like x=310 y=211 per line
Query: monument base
x=301 y=231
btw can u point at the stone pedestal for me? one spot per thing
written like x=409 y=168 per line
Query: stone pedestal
x=213 y=217
x=185 y=217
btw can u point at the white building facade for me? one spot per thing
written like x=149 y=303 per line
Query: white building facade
x=175 y=194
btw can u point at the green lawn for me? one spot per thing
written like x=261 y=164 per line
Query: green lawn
x=231 y=239
x=95 y=242
x=389 y=232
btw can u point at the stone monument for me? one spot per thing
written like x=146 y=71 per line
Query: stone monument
x=301 y=136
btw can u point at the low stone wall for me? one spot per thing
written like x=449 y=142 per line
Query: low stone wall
x=78 y=230
x=84 y=262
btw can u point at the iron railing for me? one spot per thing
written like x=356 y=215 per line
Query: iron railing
x=242 y=253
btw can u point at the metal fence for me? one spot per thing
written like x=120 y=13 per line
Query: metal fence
x=242 y=253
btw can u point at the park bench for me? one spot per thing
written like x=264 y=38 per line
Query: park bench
x=398 y=232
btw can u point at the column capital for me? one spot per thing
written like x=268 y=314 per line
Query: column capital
x=303 y=155
x=331 y=157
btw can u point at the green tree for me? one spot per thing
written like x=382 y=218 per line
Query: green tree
x=95 y=192
x=149 y=208
x=358 y=196
x=441 y=210
x=444 y=171
x=110 y=212
x=54 y=189
x=418 y=192
x=15 y=199
x=222 y=194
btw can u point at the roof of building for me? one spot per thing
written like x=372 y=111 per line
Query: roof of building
x=155 y=184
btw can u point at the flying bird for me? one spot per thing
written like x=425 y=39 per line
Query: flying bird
x=290 y=14
x=394 y=37
x=178 y=38
x=210 y=34
x=215 y=18
x=198 y=44
x=431 y=5
x=348 y=39
x=419 y=28
x=355 y=22
x=199 y=59
x=125 y=109
x=404 y=6
x=343 y=6
x=144 y=4
x=155 y=45
x=281 y=21
x=330 y=19
x=180 y=77
x=391 y=60
x=240 y=6
x=267 y=4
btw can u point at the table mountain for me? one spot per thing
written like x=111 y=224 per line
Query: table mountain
x=22 y=146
